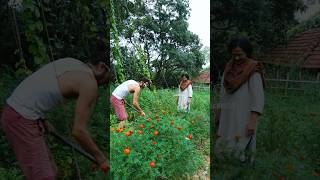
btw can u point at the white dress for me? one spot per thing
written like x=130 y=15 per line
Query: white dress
x=183 y=99
x=235 y=112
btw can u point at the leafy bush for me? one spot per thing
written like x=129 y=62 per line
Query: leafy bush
x=287 y=142
x=10 y=174
x=162 y=139
x=170 y=143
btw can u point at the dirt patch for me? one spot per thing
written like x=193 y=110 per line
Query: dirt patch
x=203 y=173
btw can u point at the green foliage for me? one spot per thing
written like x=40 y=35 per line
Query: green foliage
x=116 y=50
x=7 y=83
x=31 y=16
x=173 y=153
x=287 y=142
x=206 y=53
x=156 y=41
x=22 y=69
x=142 y=57
x=62 y=118
x=304 y=26
x=154 y=103
x=265 y=23
x=10 y=174
x=64 y=20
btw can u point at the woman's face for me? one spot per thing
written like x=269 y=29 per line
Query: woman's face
x=238 y=54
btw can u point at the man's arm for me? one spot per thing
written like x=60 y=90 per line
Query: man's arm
x=135 y=99
x=85 y=102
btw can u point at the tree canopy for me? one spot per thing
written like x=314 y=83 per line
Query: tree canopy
x=265 y=23
x=49 y=30
x=151 y=38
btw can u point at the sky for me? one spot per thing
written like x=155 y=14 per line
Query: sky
x=199 y=21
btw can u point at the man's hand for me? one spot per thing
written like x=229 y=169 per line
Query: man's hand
x=104 y=167
x=103 y=163
x=142 y=113
x=121 y=124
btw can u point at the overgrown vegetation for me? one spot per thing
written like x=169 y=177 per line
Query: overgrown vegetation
x=175 y=153
x=287 y=142
x=50 y=30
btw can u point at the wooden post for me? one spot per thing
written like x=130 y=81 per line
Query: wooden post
x=300 y=85
x=318 y=77
x=276 y=83
x=287 y=84
x=300 y=75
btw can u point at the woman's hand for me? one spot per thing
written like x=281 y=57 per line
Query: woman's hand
x=251 y=125
x=217 y=112
x=189 y=100
x=177 y=99
x=250 y=128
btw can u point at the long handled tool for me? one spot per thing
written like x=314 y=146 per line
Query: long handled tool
x=74 y=146
x=130 y=106
x=103 y=167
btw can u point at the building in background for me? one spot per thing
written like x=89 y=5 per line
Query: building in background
x=202 y=81
x=203 y=78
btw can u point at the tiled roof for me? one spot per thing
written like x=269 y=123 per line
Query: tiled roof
x=303 y=51
x=202 y=78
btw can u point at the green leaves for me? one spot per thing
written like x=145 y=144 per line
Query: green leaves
x=73 y=26
x=291 y=151
x=174 y=154
x=11 y=174
x=169 y=150
x=265 y=23
x=116 y=50
x=152 y=33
